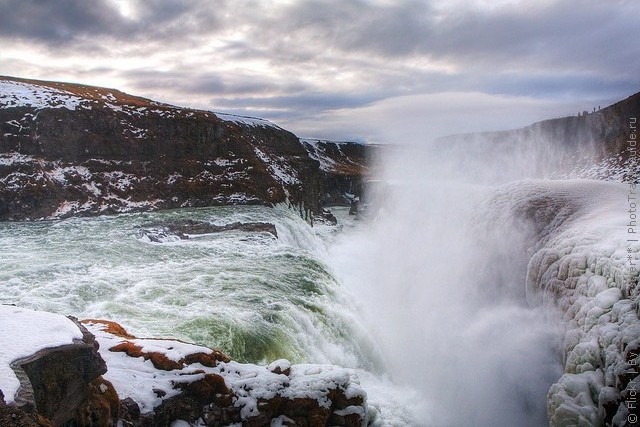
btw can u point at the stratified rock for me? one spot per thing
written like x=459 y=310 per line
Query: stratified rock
x=70 y=150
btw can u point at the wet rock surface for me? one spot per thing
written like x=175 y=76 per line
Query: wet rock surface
x=187 y=229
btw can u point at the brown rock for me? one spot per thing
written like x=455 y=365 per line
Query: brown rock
x=207 y=359
x=159 y=360
x=209 y=389
x=111 y=327
x=100 y=407
x=11 y=415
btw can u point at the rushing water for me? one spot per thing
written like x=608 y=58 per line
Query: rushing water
x=255 y=296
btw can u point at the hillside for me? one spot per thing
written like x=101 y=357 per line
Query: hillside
x=343 y=165
x=75 y=150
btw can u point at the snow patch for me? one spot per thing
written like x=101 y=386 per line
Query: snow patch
x=317 y=150
x=225 y=162
x=20 y=94
x=278 y=168
x=245 y=120
x=137 y=378
x=13 y=158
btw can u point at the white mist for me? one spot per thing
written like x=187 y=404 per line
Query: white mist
x=442 y=288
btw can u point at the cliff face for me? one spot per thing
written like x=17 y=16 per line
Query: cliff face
x=70 y=150
x=344 y=168
x=583 y=254
x=583 y=267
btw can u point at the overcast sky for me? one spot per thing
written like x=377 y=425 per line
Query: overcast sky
x=375 y=70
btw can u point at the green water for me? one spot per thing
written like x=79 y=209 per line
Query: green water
x=254 y=296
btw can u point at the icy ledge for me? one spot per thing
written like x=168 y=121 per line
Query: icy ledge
x=584 y=265
x=157 y=381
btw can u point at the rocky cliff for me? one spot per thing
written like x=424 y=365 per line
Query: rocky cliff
x=344 y=168
x=581 y=245
x=583 y=270
x=69 y=150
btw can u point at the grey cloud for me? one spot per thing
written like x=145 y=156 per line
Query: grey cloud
x=58 y=21
x=389 y=30
x=357 y=25
x=569 y=86
x=305 y=102
x=558 y=48
x=289 y=110
x=559 y=36
x=209 y=83
x=61 y=22
x=565 y=35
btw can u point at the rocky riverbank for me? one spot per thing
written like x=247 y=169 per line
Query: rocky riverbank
x=95 y=373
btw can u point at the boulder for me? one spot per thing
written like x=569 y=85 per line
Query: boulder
x=59 y=382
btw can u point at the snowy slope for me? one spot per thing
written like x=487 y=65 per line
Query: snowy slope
x=337 y=156
x=140 y=377
x=17 y=93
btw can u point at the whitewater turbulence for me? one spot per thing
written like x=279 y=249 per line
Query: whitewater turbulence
x=447 y=300
x=256 y=296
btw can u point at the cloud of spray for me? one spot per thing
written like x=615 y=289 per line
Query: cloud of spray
x=443 y=286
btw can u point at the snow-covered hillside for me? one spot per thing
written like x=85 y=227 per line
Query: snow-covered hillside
x=68 y=150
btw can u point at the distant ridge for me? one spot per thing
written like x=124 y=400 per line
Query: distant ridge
x=602 y=136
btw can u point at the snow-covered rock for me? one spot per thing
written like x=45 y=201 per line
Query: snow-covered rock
x=165 y=377
x=584 y=264
x=51 y=367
